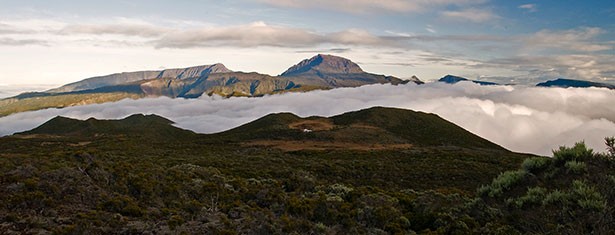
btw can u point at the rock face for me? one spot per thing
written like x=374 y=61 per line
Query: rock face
x=565 y=83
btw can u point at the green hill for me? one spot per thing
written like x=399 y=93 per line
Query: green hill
x=137 y=125
x=374 y=126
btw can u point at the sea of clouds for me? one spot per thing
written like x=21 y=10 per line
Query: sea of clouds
x=524 y=119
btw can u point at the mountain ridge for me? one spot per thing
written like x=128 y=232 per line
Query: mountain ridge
x=319 y=72
x=452 y=79
x=565 y=83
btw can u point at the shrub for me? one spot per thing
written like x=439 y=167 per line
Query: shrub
x=587 y=197
x=503 y=182
x=555 y=197
x=535 y=164
x=534 y=195
x=576 y=167
x=610 y=145
x=579 y=152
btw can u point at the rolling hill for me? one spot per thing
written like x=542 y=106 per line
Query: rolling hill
x=376 y=127
x=137 y=125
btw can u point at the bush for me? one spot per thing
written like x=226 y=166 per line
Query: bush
x=503 y=182
x=576 y=167
x=579 y=152
x=587 y=197
x=535 y=164
x=534 y=195
x=555 y=197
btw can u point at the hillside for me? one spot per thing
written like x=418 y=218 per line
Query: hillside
x=378 y=127
x=143 y=175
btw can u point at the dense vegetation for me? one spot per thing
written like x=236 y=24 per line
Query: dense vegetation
x=189 y=183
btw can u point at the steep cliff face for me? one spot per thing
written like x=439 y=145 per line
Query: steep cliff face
x=130 y=77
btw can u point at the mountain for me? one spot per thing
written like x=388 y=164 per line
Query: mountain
x=130 y=77
x=137 y=125
x=451 y=79
x=378 y=127
x=333 y=71
x=319 y=72
x=565 y=83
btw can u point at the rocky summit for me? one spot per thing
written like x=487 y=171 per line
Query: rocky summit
x=324 y=64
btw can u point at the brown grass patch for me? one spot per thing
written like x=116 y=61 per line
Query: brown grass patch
x=314 y=125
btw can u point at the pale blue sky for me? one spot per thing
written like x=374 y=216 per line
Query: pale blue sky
x=55 y=42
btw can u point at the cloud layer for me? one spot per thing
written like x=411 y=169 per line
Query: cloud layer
x=525 y=119
x=363 y=6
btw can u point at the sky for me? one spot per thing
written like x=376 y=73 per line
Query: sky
x=519 y=118
x=47 y=43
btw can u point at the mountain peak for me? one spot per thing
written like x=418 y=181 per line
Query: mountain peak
x=324 y=64
x=452 y=79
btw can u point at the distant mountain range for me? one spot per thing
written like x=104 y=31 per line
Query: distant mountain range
x=451 y=79
x=561 y=82
x=318 y=72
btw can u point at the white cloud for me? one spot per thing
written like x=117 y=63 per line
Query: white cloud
x=580 y=39
x=370 y=6
x=8 y=90
x=525 y=119
x=261 y=34
x=473 y=15
x=529 y=7
x=141 y=30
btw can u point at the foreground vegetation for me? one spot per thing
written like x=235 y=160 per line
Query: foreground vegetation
x=188 y=183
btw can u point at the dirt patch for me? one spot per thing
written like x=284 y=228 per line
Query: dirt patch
x=80 y=143
x=321 y=145
x=313 y=125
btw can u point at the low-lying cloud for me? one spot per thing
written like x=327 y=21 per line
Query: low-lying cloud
x=524 y=119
